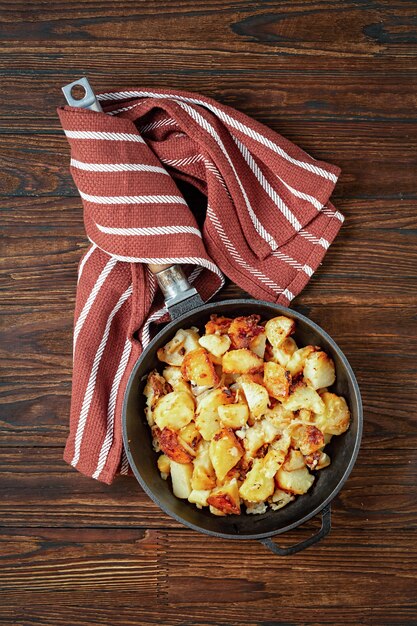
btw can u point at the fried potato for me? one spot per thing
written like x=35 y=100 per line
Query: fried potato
x=207 y=417
x=295 y=364
x=304 y=397
x=204 y=476
x=225 y=452
x=242 y=361
x=279 y=499
x=317 y=460
x=261 y=433
x=319 y=370
x=283 y=353
x=164 y=465
x=173 y=376
x=226 y=498
x=234 y=415
x=198 y=368
x=181 y=479
x=277 y=380
x=308 y=439
x=218 y=324
x=175 y=410
x=256 y=396
x=243 y=329
x=278 y=328
x=293 y=461
x=259 y=482
x=297 y=482
x=199 y=497
x=217 y=345
x=190 y=435
x=334 y=417
x=258 y=344
x=170 y=444
x=156 y=386
x=181 y=344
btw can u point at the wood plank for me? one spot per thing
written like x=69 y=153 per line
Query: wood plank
x=222 y=578
x=37 y=163
x=38 y=489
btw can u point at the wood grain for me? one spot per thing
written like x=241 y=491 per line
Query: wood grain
x=336 y=77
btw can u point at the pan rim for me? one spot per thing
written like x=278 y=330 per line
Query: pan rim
x=356 y=396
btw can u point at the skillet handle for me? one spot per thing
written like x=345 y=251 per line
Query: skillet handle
x=326 y=524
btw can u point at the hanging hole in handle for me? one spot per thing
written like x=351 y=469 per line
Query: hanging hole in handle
x=78 y=92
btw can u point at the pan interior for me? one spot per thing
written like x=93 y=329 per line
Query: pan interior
x=142 y=458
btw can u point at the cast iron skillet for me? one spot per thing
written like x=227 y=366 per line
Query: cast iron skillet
x=343 y=450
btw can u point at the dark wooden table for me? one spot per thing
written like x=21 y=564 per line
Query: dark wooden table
x=336 y=77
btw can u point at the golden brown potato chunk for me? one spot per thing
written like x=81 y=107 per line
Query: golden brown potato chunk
x=156 y=386
x=293 y=461
x=171 y=446
x=207 y=418
x=308 y=439
x=303 y=397
x=226 y=498
x=319 y=370
x=256 y=396
x=225 y=452
x=181 y=474
x=297 y=482
x=243 y=329
x=335 y=416
x=295 y=364
x=183 y=342
x=277 y=380
x=175 y=410
x=204 y=476
x=283 y=353
x=317 y=460
x=234 y=415
x=242 y=361
x=198 y=368
x=217 y=345
x=218 y=324
x=278 y=329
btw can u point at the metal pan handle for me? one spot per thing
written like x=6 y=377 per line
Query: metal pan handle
x=326 y=524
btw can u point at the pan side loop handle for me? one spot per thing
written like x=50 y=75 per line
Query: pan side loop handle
x=326 y=524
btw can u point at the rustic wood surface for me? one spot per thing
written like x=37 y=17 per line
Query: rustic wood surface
x=338 y=77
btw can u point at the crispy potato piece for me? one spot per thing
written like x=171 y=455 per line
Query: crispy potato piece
x=257 y=486
x=334 y=418
x=181 y=479
x=164 y=465
x=261 y=433
x=181 y=344
x=242 y=362
x=278 y=328
x=243 y=329
x=226 y=498
x=317 y=460
x=258 y=344
x=198 y=367
x=234 y=415
x=295 y=364
x=207 y=418
x=190 y=435
x=282 y=354
x=204 y=476
x=298 y=482
x=218 y=324
x=319 y=370
x=279 y=499
x=279 y=416
x=174 y=410
x=225 y=452
x=277 y=380
x=156 y=386
x=172 y=447
x=303 y=397
x=217 y=345
x=259 y=482
x=199 y=497
x=308 y=439
x=256 y=396
x=173 y=376
x=294 y=461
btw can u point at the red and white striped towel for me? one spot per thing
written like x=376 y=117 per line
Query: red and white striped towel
x=268 y=225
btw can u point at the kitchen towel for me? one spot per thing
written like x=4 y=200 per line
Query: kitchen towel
x=267 y=227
